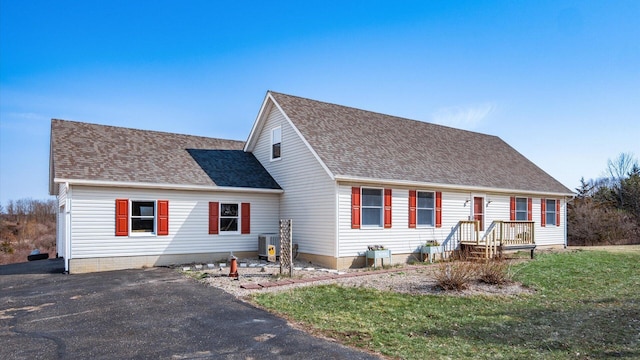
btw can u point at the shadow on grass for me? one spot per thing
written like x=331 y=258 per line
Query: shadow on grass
x=595 y=331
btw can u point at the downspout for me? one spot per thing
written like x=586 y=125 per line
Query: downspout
x=337 y=221
x=67 y=229
x=566 y=234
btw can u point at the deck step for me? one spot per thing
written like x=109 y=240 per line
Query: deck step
x=475 y=252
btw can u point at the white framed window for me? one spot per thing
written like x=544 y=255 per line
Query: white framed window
x=425 y=208
x=550 y=211
x=143 y=216
x=229 y=216
x=522 y=209
x=276 y=143
x=372 y=206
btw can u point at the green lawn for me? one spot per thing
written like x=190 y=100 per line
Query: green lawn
x=586 y=306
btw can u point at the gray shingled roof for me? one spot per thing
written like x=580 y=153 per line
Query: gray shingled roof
x=82 y=151
x=234 y=168
x=359 y=143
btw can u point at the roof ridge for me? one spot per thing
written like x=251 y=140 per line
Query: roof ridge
x=141 y=130
x=383 y=114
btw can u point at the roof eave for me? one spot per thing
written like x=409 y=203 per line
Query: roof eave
x=267 y=103
x=53 y=190
x=141 y=185
x=365 y=180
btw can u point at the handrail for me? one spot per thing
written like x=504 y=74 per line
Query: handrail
x=468 y=231
x=491 y=239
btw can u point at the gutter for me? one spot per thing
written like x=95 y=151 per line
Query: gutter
x=101 y=183
x=409 y=183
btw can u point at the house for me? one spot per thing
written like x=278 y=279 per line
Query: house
x=348 y=178
x=132 y=198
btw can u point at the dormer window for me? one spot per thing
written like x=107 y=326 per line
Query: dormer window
x=276 y=143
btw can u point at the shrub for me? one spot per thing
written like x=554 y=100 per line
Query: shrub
x=6 y=248
x=494 y=272
x=455 y=275
x=590 y=223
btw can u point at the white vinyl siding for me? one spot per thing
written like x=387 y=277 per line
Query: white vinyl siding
x=61 y=220
x=400 y=239
x=309 y=192
x=499 y=209
x=62 y=194
x=550 y=234
x=93 y=223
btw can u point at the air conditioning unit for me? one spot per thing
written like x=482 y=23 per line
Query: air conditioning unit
x=264 y=240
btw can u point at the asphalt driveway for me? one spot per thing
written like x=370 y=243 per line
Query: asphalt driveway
x=143 y=314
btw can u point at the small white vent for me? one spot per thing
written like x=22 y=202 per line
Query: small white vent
x=264 y=240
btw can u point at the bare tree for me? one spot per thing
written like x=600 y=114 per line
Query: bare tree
x=620 y=168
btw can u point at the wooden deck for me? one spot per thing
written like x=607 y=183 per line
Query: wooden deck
x=500 y=236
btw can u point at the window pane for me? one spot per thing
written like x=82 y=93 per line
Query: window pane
x=425 y=217
x=142 y=208
x=142 y=225
x=371 y=197
x=521 y=215
x=276 y=135
x=372 y=216
x=228 y=224
x=551 y=212
x=521 y=204
x=425 y=200
x=228 y=209
x=551 y=218
x=275 y=151
x=551 y=205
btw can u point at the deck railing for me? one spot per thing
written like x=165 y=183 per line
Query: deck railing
x=500 y=234
x=517 y=233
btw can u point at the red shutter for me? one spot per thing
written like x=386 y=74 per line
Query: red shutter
x=122 y=217
x=530 y=209
x=163 y=217
x=246 y=218
x=412 y=209
x=387 y=208
x=543 y=212
x=513 y=208
x=557 y=212
x=355 y=207
x=438 y=209
x=214 y=210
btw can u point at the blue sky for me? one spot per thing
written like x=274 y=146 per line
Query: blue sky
x=558 y=80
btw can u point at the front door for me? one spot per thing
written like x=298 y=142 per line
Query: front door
x=478 y=211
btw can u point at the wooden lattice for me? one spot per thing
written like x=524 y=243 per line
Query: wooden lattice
x=286 y=250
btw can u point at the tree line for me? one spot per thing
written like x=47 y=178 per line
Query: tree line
x=606 y=211
x=29 y=209
x=27 y=225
